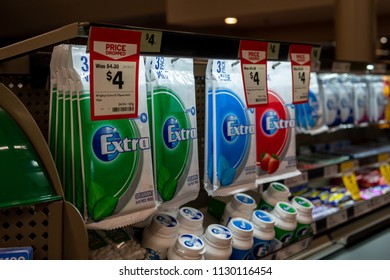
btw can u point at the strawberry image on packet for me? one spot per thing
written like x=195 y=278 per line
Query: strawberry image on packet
x=275 y=128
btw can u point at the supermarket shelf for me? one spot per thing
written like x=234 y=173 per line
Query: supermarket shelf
x=347 y=235
x=173 y=43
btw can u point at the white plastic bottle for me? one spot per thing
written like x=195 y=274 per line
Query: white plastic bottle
x=241 y=206
x=191 y=221
x=263 y=233
x=276 y=192
x=304 y=209
x=218 y=242
x=284 y=215
x=242 y=232
x=159 y=236
x=187 y=247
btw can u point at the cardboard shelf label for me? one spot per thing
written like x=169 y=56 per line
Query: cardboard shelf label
x=253 y=58
x=300 y=56
x=336 y=219
x=114 y=55
x=362 y=207
x=331 y=171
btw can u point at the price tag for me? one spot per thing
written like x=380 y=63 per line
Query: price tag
x=273 y=51
x=315 y=54
x=299 y=180
x=386 y=198
x=362 y=207
x=336 y=219
x=341 y=67
x=380 y=68
x=349 y=179
x=253 y=56
x=384 y=167
x=16 y=253
x=151 y=41
x=300 y=56
x=331 y=171
x=114 y=73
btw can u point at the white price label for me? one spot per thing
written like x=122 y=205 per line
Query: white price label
x=336 y=219
x=331 y=171
x=301 y=179
x=362 y=207
x=301 y=74
x=255 y=79
x=341 y=67
x=151 y=41
x=273 y=51
x=115 y=84
x=316 y=66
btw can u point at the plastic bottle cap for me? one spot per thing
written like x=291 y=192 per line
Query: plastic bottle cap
x=302 y=205
x=244 y=201
x=190 y=217
x=164 y=224
x=190 y=246
x=218 y=235
x=262 y=220
x=241 y=228
x=279 y=191
x=285 y=211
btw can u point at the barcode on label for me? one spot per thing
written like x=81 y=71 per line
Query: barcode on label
x=122 y=109
x=260 y=99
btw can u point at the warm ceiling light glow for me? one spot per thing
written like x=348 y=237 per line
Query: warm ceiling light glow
x=383 y=40
x=230 y=20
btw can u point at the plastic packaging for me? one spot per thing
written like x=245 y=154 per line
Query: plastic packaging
x=361 y=100
x=242 y=206
x=231 y=133
x=191 y=221
x=263 y=233
x=284 y=215
x=304 y=218
x=187 y=247
x=331 y=99
x=274 y=193
x=175 y=145
x=275 y=127
x=218 y=242
x=242 y=233
x=159 y=236
x=117 y=196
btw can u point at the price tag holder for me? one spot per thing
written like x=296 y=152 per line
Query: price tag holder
x=380 y=68
x=331 y=171
x=299 y=180
x=349 y=179
x=114 y=73
x=253 y=58
x=362 y=207
x=273 y=51
x=151 y=41
x=336 y=219
x=300 y=56
x=341 y=67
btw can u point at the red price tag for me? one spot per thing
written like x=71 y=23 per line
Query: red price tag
x=300 y=56
x=253 y=58
x=114 y=73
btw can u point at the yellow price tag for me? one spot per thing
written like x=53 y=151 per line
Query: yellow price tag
x=348 y=166
x=385 y=171
x=383 y=158
x=349 y=179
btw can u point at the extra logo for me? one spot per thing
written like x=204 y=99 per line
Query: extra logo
x=275 y=125
x=173 y=133
x=108 y=144
x=232 y=128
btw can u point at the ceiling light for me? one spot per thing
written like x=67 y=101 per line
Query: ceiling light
x=230 y=20
x=383 y=40
x=370 y=67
